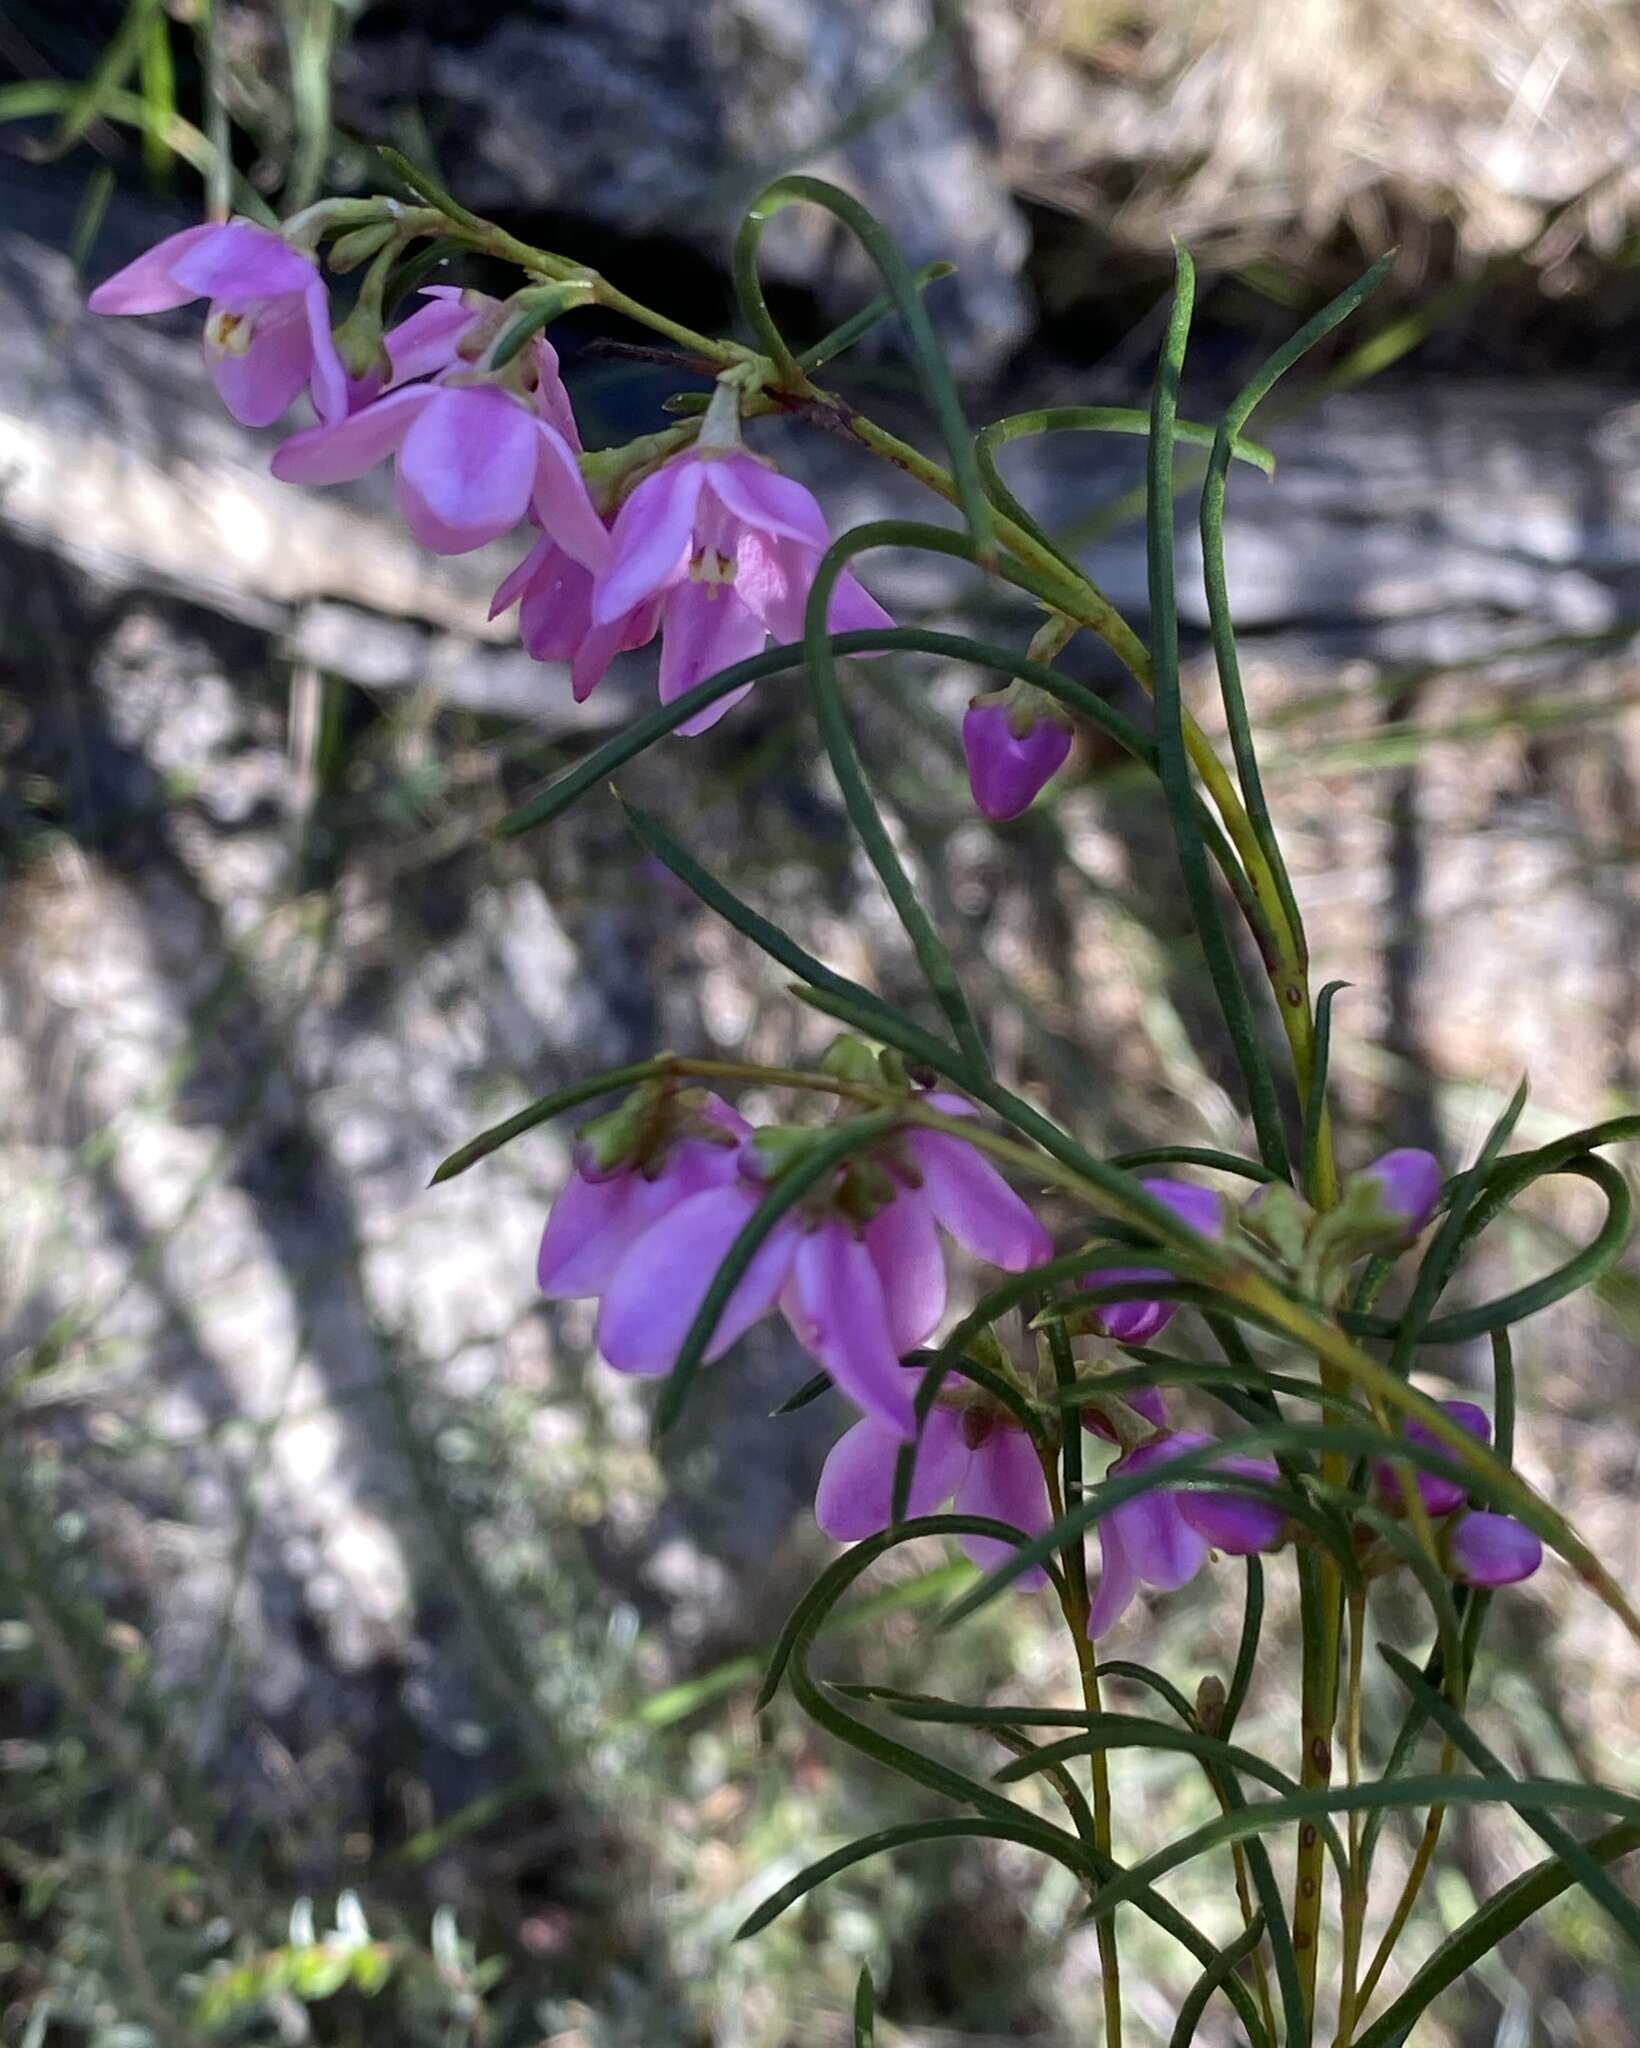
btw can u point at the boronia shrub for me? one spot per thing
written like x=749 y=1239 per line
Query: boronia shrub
x=1047 y=1413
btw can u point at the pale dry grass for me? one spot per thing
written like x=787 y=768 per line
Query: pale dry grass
x=1261 y=126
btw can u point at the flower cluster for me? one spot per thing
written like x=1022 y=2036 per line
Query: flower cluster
x=664 y=1185
x=711 y=547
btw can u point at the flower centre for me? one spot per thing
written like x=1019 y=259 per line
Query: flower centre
x=713 y=569
x=229 y=334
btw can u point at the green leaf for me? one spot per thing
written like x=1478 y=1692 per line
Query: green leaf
x=1315 y=1801
x=808 y=1170
x=1218 y=596
x=1177 y=786
x=542 y=1111
x=1567 y=1847
x=879 y=245
x=1213 y=1978
x=1438 y=1263
x=1315 y=1105
x=865 y=2011
x=1482 y=1932
x=1252 y=1623
x=861 y=323
x=768 y=937
x=1062 y=419
x=1196 y=1155
x=1028 y=1834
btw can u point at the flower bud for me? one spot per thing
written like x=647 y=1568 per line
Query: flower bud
x=1280 y=1217
x=1492 y=1550
x=848 y=1058
x=1016 y=740
x=1409 y=1186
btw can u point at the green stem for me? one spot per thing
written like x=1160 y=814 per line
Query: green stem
x=1073 y=1604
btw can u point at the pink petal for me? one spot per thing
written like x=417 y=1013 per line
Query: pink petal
x=557 y=611
x=1237 y=1524
x=651 y=541
x=512 y=587
x=339 y=452
x=853 y=609
x=836 y=1306
x=659 y=1286
x=976 y=1205
x=1118 y=1582
x=260 y=384
x=592 y=1226
x=772 y=581
x=238 y=264
x=150 y=284
x=327 y=380
x=1005 y=1482
x=765 y=499
x=706 y=629
x=856 y=1489
x=603 y=643
x=1493 y=1550
x=465 y=468
x=564 y=505
x=905 y=1249
x=426 y=342
x=1163 y=1548
x=551 y=399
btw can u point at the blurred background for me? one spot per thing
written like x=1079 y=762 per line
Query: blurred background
x=365 y=1674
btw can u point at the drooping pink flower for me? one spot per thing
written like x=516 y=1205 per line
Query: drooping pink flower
x=1137 y=1322
x=1013 y=749
x=553 y=593
x=1162 y=1538
x=267 y=333
x=858 y=1295
x=1492 y=1550
x=976 y=1453
x=600 y=1215
x=723 y=550
x=473 y=450
x=1440 y=1496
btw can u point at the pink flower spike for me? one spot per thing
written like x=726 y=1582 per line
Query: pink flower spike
x=658 y=1287
x=1008 y=770
x=1492 y=1550
x=267 y=333
x=835 y=1305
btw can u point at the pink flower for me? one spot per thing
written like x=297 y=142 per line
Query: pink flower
x=1409 y=1187
x=977 y=1454
x=1136 y=1322
x=1440 y=1496
x=1162 y=1539
x=600 y=1216
x=858 y=1294
x=723 y=550
x=1492 y=1550
x=1013 y=749
x=267 y=333
x=474 y=450
x=554 y=595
